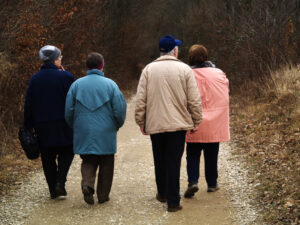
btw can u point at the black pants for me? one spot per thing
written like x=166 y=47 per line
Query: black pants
x=89 y=166
x=56 y=172
x=167 y=153
x=193 y=153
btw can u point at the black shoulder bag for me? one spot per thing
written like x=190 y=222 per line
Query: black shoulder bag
x=29 y=143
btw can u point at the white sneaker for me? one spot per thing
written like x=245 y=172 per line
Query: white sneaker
x=213 y=188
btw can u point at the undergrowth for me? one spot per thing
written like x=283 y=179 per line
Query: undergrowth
x=265 y=120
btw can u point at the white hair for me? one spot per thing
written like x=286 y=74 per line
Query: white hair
x=172 y=52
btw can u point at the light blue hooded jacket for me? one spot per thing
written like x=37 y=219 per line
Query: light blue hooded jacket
x=95 y=109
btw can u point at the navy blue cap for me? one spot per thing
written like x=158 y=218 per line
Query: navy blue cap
x=167 y=43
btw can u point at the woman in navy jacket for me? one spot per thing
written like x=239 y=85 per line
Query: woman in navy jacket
x=44 y=112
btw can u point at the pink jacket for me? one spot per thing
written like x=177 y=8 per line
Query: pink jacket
x=214 y=89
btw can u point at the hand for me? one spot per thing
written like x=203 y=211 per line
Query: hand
x=194 y=130
x=142 y=128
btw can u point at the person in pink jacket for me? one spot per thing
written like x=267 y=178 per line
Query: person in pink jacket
x=214 y=128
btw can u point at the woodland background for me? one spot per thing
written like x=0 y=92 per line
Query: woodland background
x=256 y=43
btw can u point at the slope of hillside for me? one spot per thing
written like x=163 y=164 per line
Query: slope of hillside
x=266 y=130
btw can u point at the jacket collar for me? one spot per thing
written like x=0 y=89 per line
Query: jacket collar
x=166 y=57
x=49 y=66
x=204 y=64
x=95 y=72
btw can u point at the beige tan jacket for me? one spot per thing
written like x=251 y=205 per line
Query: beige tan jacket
x=167 y=97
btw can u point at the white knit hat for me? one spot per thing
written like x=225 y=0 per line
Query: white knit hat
x=49 y=53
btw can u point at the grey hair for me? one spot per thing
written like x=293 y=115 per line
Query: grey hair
x=172 y=52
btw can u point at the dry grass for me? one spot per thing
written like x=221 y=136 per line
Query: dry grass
x=266 y=126
x=13 y=163
x=286 y=80
x=14 y=166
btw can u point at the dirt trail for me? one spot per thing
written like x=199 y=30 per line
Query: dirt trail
x=133 y=193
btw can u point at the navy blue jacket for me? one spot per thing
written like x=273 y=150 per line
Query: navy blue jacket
x=45 y=104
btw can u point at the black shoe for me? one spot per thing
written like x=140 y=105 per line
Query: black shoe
x=160 y=198
x=100 y=201
x=213 y=188
x=174 y=208
x=53 y=195
x=190 y=191
x=88 y=194
x=60 y=190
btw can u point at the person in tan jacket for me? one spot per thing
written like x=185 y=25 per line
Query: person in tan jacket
x=168 y=104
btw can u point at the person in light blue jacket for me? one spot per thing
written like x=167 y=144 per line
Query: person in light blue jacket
x=95 y=109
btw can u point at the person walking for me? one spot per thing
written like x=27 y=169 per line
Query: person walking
x=44 y=112
x=167 y=105
x=96 y=109
x=214 y=89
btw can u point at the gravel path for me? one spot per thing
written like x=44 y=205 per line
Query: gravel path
x=133 y=193
x=239 y=190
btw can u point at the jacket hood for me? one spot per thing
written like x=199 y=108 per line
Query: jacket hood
x=93 y=91
x=95 y=72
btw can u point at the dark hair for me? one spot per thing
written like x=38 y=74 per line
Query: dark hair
x=94 y=60
x=197 y=55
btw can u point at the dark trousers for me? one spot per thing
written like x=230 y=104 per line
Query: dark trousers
x=56 y=163
x=193 y=153
x=89 y=166
x=167 y=153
